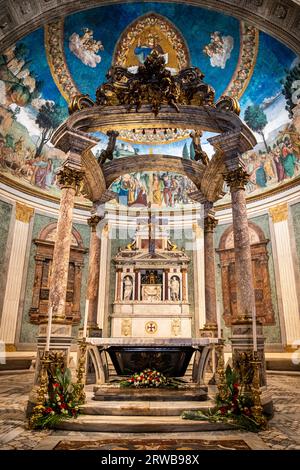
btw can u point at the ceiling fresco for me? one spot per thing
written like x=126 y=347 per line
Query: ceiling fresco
x=40 y=74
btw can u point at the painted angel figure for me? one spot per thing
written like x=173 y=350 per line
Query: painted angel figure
x=86 y=48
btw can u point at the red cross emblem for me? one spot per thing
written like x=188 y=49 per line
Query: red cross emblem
x=151 y=327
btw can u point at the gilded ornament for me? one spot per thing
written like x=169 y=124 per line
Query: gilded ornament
x=228 y=103
x=210 y=223
x=23 y=212
x=152 y=30
x=79 y=102
x=279 y=213
x=126 y=327
x=81 y=370
x=155 y=85
x=70 y=178
x=93 y=221
x=236 y=179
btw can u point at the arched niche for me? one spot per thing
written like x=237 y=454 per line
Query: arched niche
x=42 y=276
x=261 y=276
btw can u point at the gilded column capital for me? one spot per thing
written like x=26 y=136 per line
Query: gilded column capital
x=279 y=213
x=93 y=221
x=210 y=223
x=237 y=179
x=70 y=178
x=24 y=213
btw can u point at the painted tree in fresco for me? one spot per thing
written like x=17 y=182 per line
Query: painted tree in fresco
x=291 y=88
x=192 y=151
x=48 y=119
x=256 y=119
x=185 y=151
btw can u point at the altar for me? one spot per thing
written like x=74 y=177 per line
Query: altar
x=169 y=356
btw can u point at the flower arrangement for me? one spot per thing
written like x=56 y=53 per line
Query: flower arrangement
x=149 y=378
x=62 y=402
x=233 y=406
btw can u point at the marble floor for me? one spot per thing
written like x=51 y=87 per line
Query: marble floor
x=283 y=432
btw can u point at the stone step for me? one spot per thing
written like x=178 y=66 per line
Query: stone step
x=138 y=424
x=143 y=408
x=110 y=393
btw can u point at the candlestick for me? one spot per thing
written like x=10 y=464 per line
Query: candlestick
x=219 y=319
x=254 y=330
x=86 y=315
x=49 y=326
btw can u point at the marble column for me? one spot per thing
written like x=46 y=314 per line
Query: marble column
x=237 y=180
x=210 y=222
x=103 y=275
x=70 y=181
x=245 y=329
x=93 y=276
x=184 y=284
x=15 y=275
x=286 y=273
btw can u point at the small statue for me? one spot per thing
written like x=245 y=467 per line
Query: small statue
x=152 y=278
x=199 y=153
x=174 y=288
x=128 y=288
x=108 y=153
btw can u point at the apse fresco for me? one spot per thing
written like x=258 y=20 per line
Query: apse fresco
x=41 y=72
x=163 y=190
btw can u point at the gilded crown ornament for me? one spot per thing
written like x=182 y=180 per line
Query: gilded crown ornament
x=154 y=84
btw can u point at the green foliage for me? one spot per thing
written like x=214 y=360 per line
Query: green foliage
x=291 y=89
x=233 y=407
x=62 y=402
x=255 y=118
x=185 y=151
x=192 y=151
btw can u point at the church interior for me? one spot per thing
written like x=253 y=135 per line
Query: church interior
x=150 y=225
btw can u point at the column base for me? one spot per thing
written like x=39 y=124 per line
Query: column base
x=242 y=342
x=92 y=331
x=210 y=330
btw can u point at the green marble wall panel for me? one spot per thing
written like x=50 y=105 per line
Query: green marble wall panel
x=295 y=212
x=5 y=216
x=28 y=330
x=272 y=333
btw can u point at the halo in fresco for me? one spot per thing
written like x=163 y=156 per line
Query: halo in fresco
x=41 y=72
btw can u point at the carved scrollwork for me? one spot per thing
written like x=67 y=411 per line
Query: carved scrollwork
x=155 y=85
x=80 y=102
x=228 y=103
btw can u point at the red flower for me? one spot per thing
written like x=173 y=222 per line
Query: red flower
x=236 y=386
x=223 y=410
x=55 y=385
x=63 y=406
x=48 y=410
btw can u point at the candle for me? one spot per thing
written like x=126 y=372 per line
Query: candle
x=49 y=326
x=86 y=316
x=254 y=329
x=219 y=319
